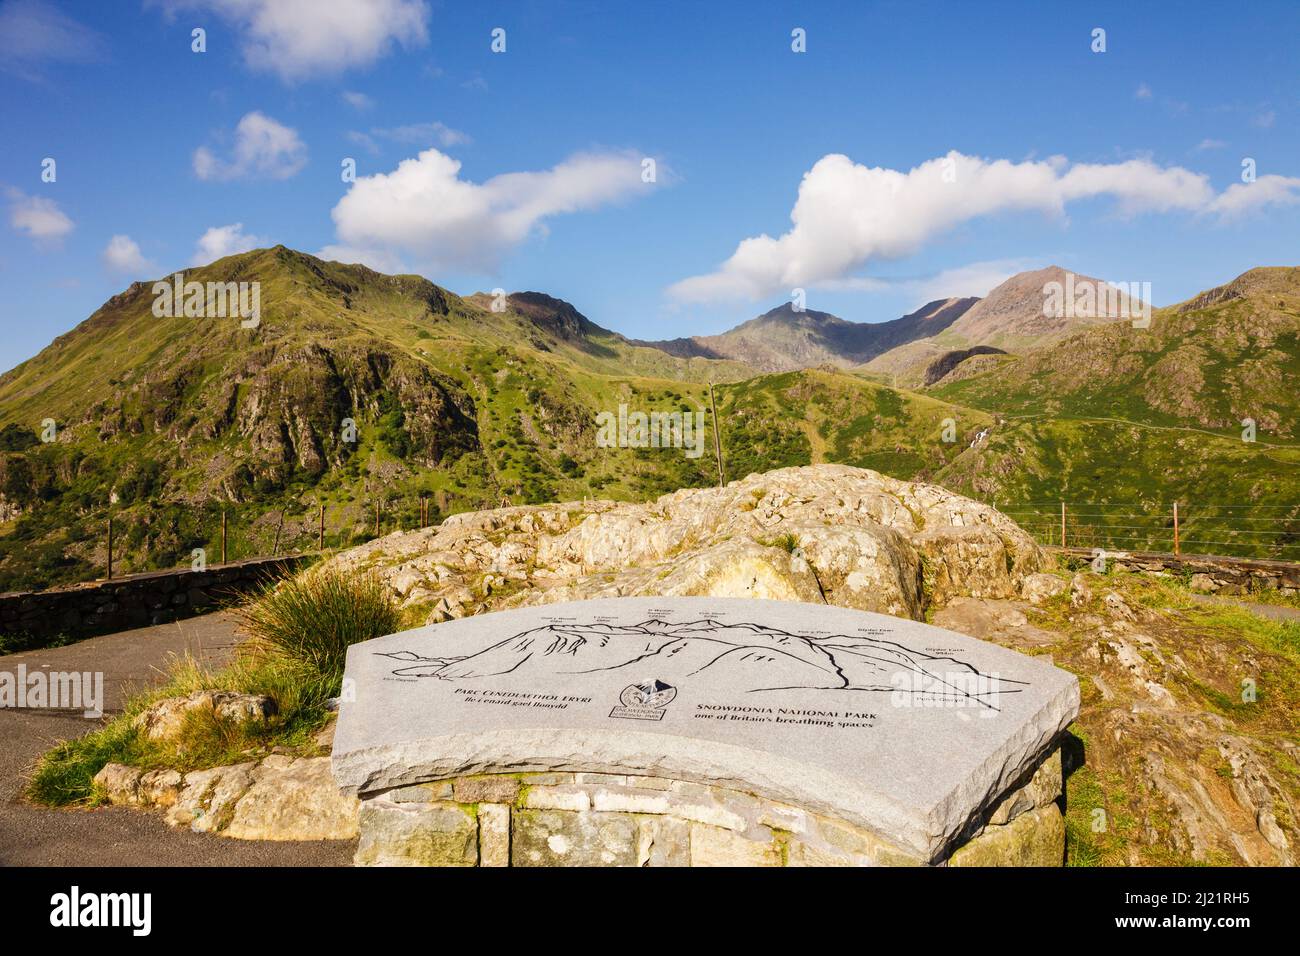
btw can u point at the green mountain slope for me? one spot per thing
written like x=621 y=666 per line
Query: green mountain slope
x=387 y=400
x=165 y=420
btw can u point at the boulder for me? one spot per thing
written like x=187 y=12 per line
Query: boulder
x=292 y=799
x=119 y=783
x=163 y=720
x=1039 y=588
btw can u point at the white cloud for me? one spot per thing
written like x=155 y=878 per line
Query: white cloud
x=363 y=140
x=299 y=39
x=221 y=241
x=358 y=101
x=378 y=259
x=122 y=254
x=35 y=34
x=975 y=278
x=847 y=215
x=263 y=148
x=1143 y=92
x=1241 y=199
x=425 y=209
x=41 y=219
x=1205 y=144
x=421 y=134
x=1266 y=119
x=417 y=134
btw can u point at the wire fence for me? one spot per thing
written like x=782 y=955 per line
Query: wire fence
x=1267 y=531
x=179 y=535
x=171 y=536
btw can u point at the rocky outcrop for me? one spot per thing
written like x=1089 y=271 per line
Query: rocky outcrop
x=279 y=797
x=824 y=534
x=1183 y=765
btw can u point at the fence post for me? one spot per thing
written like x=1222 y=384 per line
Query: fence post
x=1176 y=546
x=110 y=548
x=223 y=535
x=1062 y=524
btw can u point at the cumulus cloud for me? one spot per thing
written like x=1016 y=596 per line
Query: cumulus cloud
x=221 y=241
x=1240 y=199
x=424 y=209
x=35 y=34
x=847 y=214
x=41 y=219
x=975 y=278
x=263 y=149
x=298 y=39
x=122 y=254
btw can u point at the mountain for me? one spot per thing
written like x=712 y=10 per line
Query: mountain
x=1225 y=355
x=354 y=387
x=1016 y=316
x=784 y=339
x=360 y=392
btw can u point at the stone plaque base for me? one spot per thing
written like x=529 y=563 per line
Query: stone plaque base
x=595 y=819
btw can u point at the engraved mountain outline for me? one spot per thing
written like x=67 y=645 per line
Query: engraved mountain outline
x=762 y=657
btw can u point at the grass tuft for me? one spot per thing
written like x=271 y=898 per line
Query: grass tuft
x=300 y=632
x=308 y=622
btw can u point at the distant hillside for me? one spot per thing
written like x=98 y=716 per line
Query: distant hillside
x=1225 y=355
x=1011 y=317
x=782 y=339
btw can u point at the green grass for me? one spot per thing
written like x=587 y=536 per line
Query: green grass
x=308 y=621
x=301 y=630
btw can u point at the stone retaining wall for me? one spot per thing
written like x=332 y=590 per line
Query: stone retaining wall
x=136 y=600
x=596 y=819
x=1208 y=573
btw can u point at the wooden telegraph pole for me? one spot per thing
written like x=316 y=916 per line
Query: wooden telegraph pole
x=717 y=441
x=223 y=535
x=1176 y=542
x=110 y=548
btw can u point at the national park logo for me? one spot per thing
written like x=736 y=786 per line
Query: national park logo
x=644 y=701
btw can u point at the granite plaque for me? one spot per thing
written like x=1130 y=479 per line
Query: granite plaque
x=901 y=727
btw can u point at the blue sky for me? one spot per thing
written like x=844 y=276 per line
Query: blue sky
x=1122 y=164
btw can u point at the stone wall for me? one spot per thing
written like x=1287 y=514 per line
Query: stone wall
x=136 y=600
x=1207 y=573
x=595 y=819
